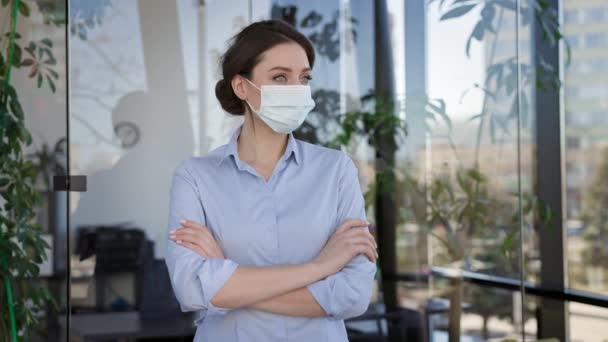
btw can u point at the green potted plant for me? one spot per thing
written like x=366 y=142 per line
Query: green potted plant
x=22 y=249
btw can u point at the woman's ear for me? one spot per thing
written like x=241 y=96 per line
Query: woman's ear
x=238 y=86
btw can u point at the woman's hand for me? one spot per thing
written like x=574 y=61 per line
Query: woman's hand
x=198 y=238
x=349 y=240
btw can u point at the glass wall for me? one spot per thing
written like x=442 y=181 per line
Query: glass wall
x=585 y=93
x=143 y=80
x=466 y=167
x=442 y=105
x=586 y=160
x=135 y=114
x=33 y=217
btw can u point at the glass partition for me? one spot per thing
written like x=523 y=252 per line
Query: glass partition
x=135 y=114
x=464 y=119
x=33 y=131
x=465 y=168
x=585 y=140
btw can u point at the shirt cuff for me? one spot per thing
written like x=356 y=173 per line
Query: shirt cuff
x=213 y=275
x=324 y=293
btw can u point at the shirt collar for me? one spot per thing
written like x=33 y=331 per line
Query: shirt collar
x=232 y=148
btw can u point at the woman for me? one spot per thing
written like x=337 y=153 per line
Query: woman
x=268 y=233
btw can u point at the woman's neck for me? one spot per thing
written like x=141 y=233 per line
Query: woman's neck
x=259 y=145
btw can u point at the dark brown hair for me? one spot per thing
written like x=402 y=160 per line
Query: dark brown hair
x=245 y=53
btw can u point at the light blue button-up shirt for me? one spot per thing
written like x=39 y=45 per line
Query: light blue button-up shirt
x=285 y=220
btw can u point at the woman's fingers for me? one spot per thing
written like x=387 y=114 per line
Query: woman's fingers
x=361 y=232
x=186 y=233
x=370 y=249
x=192 y=246
x=369 y=252
x=189 y=232
x=364 y=249
x=365 y=233
x=198 y=233
x=192 y=224
x=201 y=237
x=214 y=249
x=181 y=235
x=201 y=230
x=192 y=243
x=361 y=240
x=351 y=223
x=195 y=226
x=188 y=244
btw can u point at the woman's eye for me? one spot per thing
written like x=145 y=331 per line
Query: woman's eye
x=280 y=78
x=306 y=79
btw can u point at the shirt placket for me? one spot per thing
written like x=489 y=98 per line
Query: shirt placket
x=273 y=219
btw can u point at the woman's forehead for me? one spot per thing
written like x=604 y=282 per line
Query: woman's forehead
x=288 y=57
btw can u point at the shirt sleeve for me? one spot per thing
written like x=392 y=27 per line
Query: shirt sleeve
x=347 y=293
x=194 y=279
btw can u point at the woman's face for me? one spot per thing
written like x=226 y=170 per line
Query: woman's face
x=284 y=64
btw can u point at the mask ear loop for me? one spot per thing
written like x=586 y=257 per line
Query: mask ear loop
x=253 y=110
x=260 y=90
x=256 y=87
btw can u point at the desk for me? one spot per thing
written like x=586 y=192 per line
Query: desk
x=127 y=325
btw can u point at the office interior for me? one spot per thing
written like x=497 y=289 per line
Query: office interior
x=490 y=216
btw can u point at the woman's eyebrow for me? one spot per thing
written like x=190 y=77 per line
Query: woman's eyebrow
x=288 y=69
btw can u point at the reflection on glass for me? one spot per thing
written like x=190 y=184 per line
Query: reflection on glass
x=488 y=314
x=134 y=117
x=467 y=184
x=460 y=187
x=33 y=216
x=586 y=134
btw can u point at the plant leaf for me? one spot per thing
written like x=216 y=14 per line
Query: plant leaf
x=17 y=56
x=457 y=12
x=51 y=83
x=24 y=9
x=27 y=62
x=53 y=73
x=47 y=42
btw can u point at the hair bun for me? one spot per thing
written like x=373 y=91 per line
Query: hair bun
x=228 y=99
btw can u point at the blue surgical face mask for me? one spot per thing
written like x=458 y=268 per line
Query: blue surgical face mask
x=283 y=107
